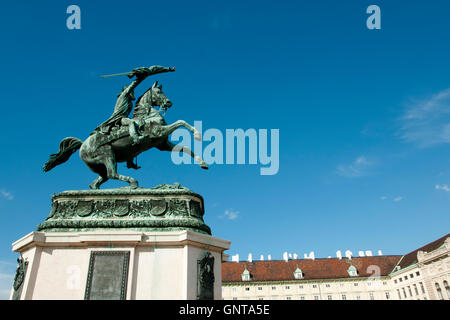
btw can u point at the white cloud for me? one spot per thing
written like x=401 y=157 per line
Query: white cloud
x=230 y=214
x=7 y=195
x=358 y=168
x=427 y=122
x=383 y=198
x=443 y=187
x=397 y=199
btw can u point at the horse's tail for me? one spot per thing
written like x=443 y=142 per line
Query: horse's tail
x=66 y=148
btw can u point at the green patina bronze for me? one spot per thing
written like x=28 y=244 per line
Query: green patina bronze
x=165 y=207
x=121 y=139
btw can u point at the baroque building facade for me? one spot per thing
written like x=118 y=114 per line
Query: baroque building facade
x=423 y=274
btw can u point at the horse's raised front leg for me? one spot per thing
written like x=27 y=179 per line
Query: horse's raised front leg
x=166 y=130
x=169 y=146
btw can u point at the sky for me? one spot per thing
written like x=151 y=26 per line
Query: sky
x=363 y=115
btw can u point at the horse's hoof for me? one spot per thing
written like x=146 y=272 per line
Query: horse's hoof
x=134 y=185
x=204 y=166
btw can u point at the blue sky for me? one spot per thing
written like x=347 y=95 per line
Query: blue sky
x=364 y=115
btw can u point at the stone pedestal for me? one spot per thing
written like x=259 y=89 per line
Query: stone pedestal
x=121 y=244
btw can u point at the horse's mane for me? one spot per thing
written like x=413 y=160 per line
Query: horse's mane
x=139 y=99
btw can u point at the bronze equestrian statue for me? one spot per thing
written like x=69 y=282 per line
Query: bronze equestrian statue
x=121 y=139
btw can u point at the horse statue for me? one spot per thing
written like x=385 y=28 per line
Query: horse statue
x=101 y=151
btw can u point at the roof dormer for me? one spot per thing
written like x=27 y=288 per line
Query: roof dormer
x=352 y=271
x=245 y=276
x=298 y=274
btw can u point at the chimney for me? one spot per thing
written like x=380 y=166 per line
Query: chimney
x=295 y=256
x=348 y=254
x=235 y=258
x=380 y=253
x=269 y=257
x=285 y=256
x=361 y=253
x=250 y=258
x=305 y=256
x=368 y=253
x=261 y=258
x=339 y=254
x=311 y=255
x=290 y=256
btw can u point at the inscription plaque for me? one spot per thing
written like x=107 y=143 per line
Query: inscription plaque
x=107 y=275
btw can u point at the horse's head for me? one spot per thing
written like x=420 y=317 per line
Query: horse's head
x=159 y=99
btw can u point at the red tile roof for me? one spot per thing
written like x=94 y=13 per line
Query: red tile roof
x=411 y=258
x=324 y=268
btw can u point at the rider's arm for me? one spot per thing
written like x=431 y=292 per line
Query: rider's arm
x=142 y=73
x=159 y=69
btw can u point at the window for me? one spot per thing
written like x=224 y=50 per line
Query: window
x=415 y=289
x=422 y=287
x=259 y=288
x=399 y=295
x=327 y=285
x=260 y=298
x=447 y=288
x=247 y=289
x=400 y=279
x=387 y=295
x=330 y=297
x=302 y=298
x=411 y=276
x=274 y=288
x=298 y=274
x=417 y=273
x=245 y=276
x=439 y=291
x=395 y=281
x=384 y=283
x=316 y=297
x=234 y=298
x=358 y=297
x=371 y=296
x=406 y=278
x=409 y=290
x=369 y=283
x=287 y=287
x=404 y=292
x=288 y=298
x=352 y=271
x=344 y=297
x=234 y=289
x=314 y=285
x=355 y=284
x=301 y=287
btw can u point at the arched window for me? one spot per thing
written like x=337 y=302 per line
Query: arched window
x=439 y=291
x=447 y=288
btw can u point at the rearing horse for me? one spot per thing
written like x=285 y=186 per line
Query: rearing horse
x=101 y=152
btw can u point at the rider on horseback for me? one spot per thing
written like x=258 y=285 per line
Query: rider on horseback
x=124 y=103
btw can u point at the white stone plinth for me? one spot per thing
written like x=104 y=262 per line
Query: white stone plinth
x=162 y=265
